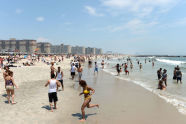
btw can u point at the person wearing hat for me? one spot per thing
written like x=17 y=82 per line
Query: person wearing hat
x=164 y=77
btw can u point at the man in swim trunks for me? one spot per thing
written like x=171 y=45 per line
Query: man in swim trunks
x=102 y=64
x=59 y=77
x=52 y=69
x=73 y=71
x=179 y=75
x=52 y=91
x=80 y=70
x=159 y=73
x=118 y=69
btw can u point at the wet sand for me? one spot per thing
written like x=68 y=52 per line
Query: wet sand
x=120 y=102
x=124 y=102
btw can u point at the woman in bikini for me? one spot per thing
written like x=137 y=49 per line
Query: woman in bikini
x=88 y=92
x=9 y=86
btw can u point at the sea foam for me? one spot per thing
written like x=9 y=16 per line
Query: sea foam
x=173 y=62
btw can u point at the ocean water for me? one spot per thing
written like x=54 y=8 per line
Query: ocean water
x=174 y=94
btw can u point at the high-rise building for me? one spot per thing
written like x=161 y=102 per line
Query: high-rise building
x=57 y=49
x=44 y=47
x=90 y=50
x=78 y=50
x=24 y=46
x=67 y=49
x=31 y=46
x=99 y=51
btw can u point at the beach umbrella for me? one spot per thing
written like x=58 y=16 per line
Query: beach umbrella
x=37 y=49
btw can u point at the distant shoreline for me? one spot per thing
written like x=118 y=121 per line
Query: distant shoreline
x=158 y=56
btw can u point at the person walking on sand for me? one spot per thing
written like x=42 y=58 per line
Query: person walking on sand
x=73 y=71
x=5 y=73
x=9 y=86
x=52 y=69
x=52 y=93
x=59 y=77
x=88 y=92
x=80 y=70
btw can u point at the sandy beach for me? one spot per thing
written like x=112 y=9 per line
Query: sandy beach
x=120 y=101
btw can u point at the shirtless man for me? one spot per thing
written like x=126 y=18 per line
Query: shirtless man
x=102 y=64
x=52 y=69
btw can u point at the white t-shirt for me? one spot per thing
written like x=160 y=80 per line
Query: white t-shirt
x=73 y=69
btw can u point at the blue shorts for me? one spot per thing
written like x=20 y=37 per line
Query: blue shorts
x=96 y=69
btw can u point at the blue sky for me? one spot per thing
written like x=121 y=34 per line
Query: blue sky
x=124 y=26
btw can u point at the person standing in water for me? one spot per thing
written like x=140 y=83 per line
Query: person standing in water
x=80 y=70
x=118 y=69
x=52 y=91
x=159 y=73
x=125 y=69
x=175 y=74
x=9 y=86
x=179 y=75
x=59 y=77
x=164 y=77
x=131 y=65
x=152 y=63
x=87 y=92
x=140 y=66
x=96 y=68
x=102 y=64
x=161 y=86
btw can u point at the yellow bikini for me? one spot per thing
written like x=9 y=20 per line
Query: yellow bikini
x=86 y=92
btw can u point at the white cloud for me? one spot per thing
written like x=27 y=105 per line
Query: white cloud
x=18 y=11
x=40 y=19
x=42 y=39
x=141 y=7
x=181 y=22
x=92 y=11
x=134 y=26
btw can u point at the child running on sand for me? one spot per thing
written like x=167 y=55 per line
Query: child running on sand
x=52 y=93
x=88 y=92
